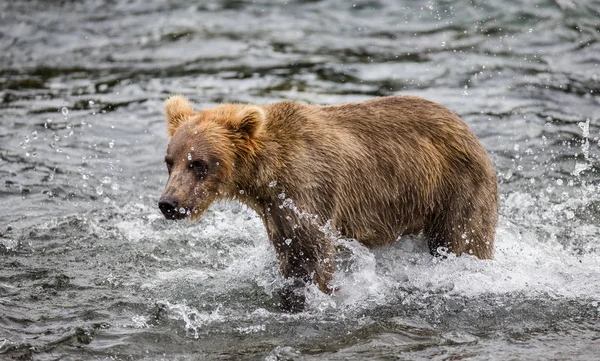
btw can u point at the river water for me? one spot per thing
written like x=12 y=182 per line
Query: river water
x=89 y=269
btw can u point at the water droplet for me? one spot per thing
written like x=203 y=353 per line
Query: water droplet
x=182 y=210
x=530 y=30
x=34 y=154
x=91 y=102
x=115 y=187
x=99 y=190
x=559 y=182
x=241 y=191
x=34 y=134
x=272 y=184
x=56 y=138
x=111 y=143
x=189 y=156
x=288 y=241
x=64 y=110
x=106 y=180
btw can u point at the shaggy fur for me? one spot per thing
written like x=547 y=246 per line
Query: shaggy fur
x=375 y=170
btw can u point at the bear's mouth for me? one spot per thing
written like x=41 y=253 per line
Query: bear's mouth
x=175 y=214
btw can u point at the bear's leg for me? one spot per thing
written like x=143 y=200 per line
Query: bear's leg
x=464 y=226
x=305 y=256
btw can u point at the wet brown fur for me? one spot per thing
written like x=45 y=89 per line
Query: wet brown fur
x=376 y=170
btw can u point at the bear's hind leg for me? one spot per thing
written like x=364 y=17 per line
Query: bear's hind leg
x=464 y=226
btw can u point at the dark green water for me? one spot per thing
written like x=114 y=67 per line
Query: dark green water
x=89 y=269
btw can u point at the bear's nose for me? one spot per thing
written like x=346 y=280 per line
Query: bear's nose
x=168 y=207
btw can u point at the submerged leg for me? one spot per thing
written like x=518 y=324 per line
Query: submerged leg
x=305 y=256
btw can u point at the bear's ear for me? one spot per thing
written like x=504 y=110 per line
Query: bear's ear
x=177 y=109
x=248 y=121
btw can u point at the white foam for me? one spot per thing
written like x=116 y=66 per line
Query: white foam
x=194 y=319
x=529 y=261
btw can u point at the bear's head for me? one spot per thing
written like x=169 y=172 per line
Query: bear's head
x=205 y=154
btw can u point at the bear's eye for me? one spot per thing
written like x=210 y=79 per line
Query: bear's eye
x=200 y=167
x=169 y=164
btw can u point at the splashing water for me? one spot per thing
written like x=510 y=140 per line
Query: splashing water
x=90 y=269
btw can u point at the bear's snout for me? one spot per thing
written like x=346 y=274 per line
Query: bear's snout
x=168 y=206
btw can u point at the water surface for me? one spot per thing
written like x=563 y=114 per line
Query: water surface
x=89 y=269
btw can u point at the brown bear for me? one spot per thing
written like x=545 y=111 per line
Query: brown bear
x=372 y=171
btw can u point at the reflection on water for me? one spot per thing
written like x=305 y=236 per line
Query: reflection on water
x=89 y=269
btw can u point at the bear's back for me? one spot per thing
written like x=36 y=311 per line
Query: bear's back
x=376 y=167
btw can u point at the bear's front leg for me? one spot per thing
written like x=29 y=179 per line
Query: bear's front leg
x=305 y=255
